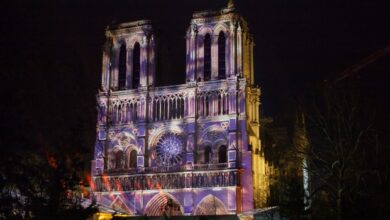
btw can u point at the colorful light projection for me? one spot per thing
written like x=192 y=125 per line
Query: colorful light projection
x=163 y=204
x=190 y=141
x=170 y=150
x=210 y=205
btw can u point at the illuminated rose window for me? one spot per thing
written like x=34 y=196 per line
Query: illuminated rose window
x=169 y=150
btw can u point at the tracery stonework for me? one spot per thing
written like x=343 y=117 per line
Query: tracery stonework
x=189 y=149
x=169 y=150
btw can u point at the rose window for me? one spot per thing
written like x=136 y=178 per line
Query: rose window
x=169 y=150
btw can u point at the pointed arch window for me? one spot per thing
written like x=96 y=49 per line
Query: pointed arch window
x=207 y=154
x=136 y=65
x=133 y=159
x=207 y=58
x=122 y=67
x=221 y=55
x=222 y=154
x=118 y=160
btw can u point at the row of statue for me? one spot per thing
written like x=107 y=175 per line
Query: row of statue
x=165 y=181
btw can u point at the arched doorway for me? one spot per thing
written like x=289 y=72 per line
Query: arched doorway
x=210 y=205
x=120 y=206
x=163 y=204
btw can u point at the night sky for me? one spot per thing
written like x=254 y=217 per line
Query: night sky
x=50 y=55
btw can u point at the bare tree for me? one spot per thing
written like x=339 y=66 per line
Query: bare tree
x=340 y=133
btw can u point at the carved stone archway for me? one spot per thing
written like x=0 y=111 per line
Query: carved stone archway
x=157 y=206
x=213 y=137
x=129 y=161
x=120 y=206
x=210 y=205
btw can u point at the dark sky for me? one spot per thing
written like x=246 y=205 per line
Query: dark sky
x=50 y=54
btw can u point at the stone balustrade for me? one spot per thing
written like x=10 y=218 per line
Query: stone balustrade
x=164 y=103
x=178 y=180
x=182 y=168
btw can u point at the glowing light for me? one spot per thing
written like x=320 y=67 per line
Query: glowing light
x=91 y=182
x=175 y=124
x=51 y=160
x=106 y=183
x=118 y=185
x=306 y=183
x=169 y=150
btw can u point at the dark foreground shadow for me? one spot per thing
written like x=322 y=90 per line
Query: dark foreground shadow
x=203 y=217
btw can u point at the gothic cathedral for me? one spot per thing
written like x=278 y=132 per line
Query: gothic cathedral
x=189 y=149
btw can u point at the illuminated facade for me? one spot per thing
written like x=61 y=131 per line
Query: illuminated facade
x=189 y=149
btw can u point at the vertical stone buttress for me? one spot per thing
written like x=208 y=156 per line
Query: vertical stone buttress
x=140 y=32
x=244 y=98
x=191 y=41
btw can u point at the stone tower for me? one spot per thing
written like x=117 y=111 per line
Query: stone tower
x=189 y=149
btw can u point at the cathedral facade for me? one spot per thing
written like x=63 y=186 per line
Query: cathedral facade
x=189 y=149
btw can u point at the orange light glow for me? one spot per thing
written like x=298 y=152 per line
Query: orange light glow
x=90 y=181
x=51 y=161
x=106 y=182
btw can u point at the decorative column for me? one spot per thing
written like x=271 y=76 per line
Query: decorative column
x=246 y=181
x=141 y=107
x=114 y=66
x=190 y=145
x=241 y=97
x=251 y=46
x=188 y=60
x=129 y=65
x=199 y=57
x=232 y=59
x=106 y=65
x=191 y=52
x=150 y=108
x=143 y=60
x=228 y=53
x=151 y=61
x=232 y=150
x=214 y=56
x=191 y=125
x=189 y=103
x=140 y=133
x=232 y=96
x=239 y=50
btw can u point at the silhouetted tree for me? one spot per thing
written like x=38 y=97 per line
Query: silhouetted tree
x=291 y=204
x=281 y=138
x=41 y=185
x=343 y=153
